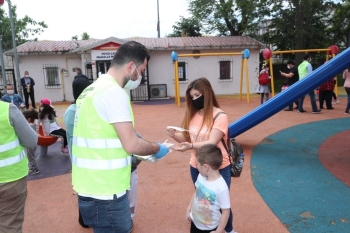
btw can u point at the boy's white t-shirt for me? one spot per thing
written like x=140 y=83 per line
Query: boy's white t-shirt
x=210 y=197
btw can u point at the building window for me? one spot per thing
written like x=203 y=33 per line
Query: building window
x=88 y=71
x=225 y=66
x=182 y=69
x=51 y=74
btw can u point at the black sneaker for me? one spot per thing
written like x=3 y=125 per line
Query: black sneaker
x=346 y=112
x=33 y=171
x=288 y=109
x=318 y=111
x=301 y=111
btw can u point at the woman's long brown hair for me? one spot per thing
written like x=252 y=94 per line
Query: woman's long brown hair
x=204 y=87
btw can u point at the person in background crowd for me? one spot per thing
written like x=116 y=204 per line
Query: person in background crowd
x=12 y=97
x=28 y=89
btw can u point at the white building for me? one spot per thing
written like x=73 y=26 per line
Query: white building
x=52 y=64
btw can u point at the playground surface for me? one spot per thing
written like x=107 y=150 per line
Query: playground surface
x=296 y=175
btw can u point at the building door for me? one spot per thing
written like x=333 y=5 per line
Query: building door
x=141 y=93
x=102 y=67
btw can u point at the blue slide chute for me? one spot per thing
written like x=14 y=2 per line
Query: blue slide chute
x=319 y=76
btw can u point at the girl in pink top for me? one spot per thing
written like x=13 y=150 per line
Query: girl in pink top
x=346 y=76
x=201 y=108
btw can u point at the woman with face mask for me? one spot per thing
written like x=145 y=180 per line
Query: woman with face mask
x=12 y=97
x=201 y=109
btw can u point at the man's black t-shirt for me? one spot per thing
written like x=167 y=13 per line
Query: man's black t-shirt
x=295 y=77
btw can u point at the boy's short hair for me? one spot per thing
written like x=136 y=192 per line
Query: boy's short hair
x=290 y=62
x=209 y=154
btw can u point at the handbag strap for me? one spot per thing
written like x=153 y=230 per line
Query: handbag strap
x=222 y=140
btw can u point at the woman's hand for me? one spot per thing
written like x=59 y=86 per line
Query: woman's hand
x=171 y=132
x=183 y=146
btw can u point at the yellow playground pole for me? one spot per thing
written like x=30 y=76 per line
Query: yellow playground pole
x=296 y=51
x=336 y=84
x=247 y=79
x=175 y=56
x=272 y=79
x=177 y=85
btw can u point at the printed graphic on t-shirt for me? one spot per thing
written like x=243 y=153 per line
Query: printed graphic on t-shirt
x=205 y=200
x=202 y=136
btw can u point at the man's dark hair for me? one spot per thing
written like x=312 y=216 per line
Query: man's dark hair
x=130 y=51
x=209 y=154
x=306 y=56
x=290 y=62
x=78 y=69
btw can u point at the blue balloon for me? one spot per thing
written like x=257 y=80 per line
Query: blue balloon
x=246 y=53
x=174 y=56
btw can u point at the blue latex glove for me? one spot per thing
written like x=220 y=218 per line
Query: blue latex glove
x=163 y=150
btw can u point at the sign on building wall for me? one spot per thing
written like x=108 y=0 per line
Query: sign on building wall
x=98 y=55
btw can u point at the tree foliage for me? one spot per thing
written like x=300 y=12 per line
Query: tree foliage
x=224 y=17
x=25 y=28
x=186 y=27
x=85 y=36
x=300 y=24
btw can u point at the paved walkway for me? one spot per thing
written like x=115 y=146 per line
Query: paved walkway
x=165 y=188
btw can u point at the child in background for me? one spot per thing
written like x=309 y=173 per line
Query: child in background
x=47 y=116
x=284 y=86
x=209 y=209
x=31 y=116
x=12 y=97
x=264 y=90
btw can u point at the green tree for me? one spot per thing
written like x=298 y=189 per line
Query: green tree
x=25 y=28
x=186 y=27
x=299 y=24
x=85 y=36
x=225 y=17
x=75 y=37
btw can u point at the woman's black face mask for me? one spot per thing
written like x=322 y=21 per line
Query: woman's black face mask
x=199 y=102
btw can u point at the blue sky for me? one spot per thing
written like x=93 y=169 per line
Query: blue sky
x=102 y=18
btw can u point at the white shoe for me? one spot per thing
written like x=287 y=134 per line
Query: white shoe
x=335 y=101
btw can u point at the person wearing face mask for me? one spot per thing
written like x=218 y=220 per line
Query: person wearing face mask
x=201 y=109
x=28 y=89
x=12 y=97
x=304 y=69
x=292 y=77
x=103 y=141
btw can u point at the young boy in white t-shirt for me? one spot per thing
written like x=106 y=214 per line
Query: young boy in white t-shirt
x=209 y=208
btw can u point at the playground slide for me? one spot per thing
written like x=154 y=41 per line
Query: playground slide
x=319 y=76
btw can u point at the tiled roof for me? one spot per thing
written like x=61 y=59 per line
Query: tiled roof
x=50 y=46
x=207 y=42
x=199 y=42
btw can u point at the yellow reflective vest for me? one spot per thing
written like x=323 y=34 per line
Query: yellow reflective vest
x=13 y=157
x=100 y=165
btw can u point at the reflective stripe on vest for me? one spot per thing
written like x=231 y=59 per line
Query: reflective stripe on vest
x=9 y=146
x=97 y=143
x=101 y=164
x=13 y=160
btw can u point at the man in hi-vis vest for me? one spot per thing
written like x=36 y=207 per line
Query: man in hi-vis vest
x=103 y=141
x=304 y=69
x=15 y=136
